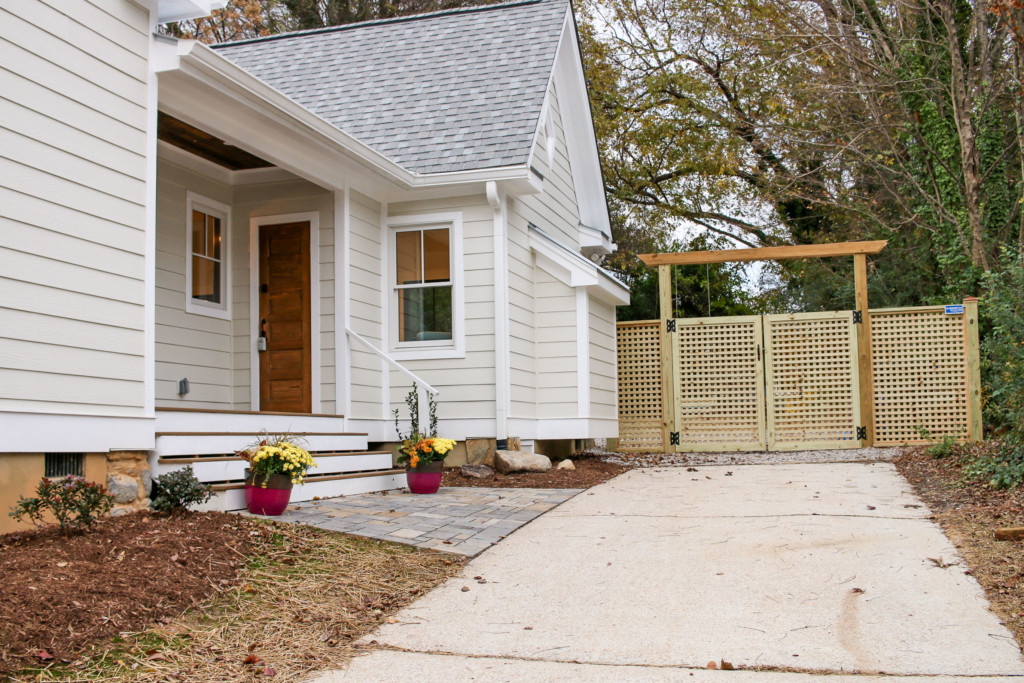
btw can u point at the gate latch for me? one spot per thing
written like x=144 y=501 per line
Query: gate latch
x=858 y=317
x=673 y=438
x=670 y=325
x=862 y=433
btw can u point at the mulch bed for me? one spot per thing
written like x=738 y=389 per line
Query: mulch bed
x=969 y=514
x=60 y=593
x=589 y=472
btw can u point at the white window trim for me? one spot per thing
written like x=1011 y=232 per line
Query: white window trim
x=456 y=347
x=210 y=207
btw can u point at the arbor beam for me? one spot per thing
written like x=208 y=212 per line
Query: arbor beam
x=798 y=251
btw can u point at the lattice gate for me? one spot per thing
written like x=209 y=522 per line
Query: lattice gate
x=791 y=382
x=719 y=384
x=811 y=376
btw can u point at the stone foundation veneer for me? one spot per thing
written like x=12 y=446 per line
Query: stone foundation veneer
x=129 y=480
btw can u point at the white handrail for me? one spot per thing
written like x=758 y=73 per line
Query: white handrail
x=391 y=361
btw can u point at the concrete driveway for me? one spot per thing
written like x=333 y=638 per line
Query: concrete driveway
x=815 y=568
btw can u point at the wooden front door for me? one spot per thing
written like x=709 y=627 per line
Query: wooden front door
x=284 y=291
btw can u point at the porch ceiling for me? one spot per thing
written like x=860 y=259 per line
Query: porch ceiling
x=191 y=139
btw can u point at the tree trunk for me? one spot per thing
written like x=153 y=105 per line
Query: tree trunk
x=970 y=157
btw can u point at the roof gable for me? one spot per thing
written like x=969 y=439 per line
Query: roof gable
x=443 y=92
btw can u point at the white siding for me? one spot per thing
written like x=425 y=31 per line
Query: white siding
x=73 y=121
x=365 y=238
x=522 y=320
x=554 y=210
x=603 y=369
x=555 y=313
x=466 y=384
x=274 y=199
x=189 y=344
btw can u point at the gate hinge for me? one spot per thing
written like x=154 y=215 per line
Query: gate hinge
x=858 y=317
x=862 y=433
x=670 y=325
x=673 y=438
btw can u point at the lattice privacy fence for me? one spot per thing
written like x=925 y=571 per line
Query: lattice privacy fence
x=920 y=375
x=791 y=382
x=640 y=408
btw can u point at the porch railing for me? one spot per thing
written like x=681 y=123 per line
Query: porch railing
x=422 y=388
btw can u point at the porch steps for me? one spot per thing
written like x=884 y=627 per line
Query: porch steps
x=207 y=441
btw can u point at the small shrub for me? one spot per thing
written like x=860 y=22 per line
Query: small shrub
x=74 y=502
x=1003 y=469
x=177 y=491
x=943 y=448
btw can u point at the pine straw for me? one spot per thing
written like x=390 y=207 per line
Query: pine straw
x=300 y=605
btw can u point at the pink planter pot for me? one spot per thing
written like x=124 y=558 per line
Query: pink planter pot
x=270 y=501
x=425 y=478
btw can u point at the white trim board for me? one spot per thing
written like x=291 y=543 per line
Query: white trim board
x=62 y=433
x=313 y=217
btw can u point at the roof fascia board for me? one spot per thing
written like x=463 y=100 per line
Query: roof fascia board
x=578 y=124
x=198 y=61
x=575 y=269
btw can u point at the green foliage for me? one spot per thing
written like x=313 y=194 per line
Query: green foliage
x=943 y=448
x=74 y=502
x=1003 y=372
x=175 y=492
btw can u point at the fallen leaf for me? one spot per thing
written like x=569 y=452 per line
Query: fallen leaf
x=44 y=656
x=157 y=657
x=871 y=507
x=712 y=665
x=465 y=589
x=727 y=666
x=174 y=557
x=62 y=564
x=251 y=659
x=269 y=672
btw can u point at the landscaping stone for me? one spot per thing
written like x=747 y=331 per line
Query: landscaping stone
x=123 y=488
x=147 y=482
x=476 y=471
x=520 y=461
x=566 y=465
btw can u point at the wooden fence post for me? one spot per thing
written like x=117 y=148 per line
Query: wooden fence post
x=865 y=361
x=665 y=314
x=972 y=346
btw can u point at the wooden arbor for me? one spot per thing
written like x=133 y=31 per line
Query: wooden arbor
x=859 y=251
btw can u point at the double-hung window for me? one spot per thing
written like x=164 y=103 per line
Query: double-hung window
x=206 y=265
x=426 y=295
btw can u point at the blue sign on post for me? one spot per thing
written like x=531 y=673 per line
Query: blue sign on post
x=955 y=309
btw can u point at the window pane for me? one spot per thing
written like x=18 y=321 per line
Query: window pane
x=213 y=237
x=205 y=279
x=407 y=258
x=198 y=232
x=436 y=258
x=425 y=314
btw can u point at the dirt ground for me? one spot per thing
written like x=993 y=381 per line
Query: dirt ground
x=59 y=593
x=969 y=514
x=589 y=471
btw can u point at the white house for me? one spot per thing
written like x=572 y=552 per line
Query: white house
x=199 y=244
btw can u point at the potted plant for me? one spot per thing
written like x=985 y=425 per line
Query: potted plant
x=276 y=464
x=422 y=455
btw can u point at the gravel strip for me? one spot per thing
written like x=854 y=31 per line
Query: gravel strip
x=748 y=458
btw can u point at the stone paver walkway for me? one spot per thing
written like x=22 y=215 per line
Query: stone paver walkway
x=456 y=519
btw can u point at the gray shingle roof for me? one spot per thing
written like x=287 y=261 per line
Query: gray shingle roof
x=441 y=92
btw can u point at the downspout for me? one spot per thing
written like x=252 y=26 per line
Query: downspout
x=502 y=371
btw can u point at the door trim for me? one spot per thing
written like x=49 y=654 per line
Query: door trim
x=255 y=222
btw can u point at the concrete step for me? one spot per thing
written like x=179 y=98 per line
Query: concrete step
x=232 y=496
x=230 y=468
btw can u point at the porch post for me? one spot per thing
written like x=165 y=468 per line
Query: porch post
x=668 y=410
x=864 y=355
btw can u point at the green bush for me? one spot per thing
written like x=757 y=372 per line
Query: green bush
x=176 y=491
x=1003 y=367
x=74 y=502
x=943 y=448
